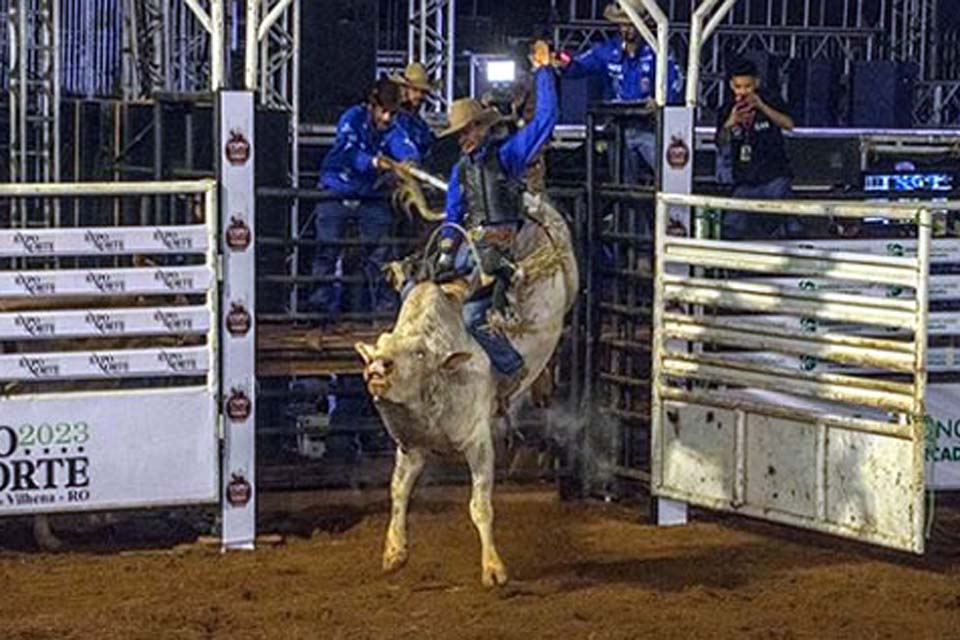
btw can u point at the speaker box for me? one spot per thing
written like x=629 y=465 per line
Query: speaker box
x=338 y=56
x=813 y=92
x=882 y=94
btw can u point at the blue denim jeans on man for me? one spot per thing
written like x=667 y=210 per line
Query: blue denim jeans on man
x=741 y=225
x=374 y=220
x=503 y=356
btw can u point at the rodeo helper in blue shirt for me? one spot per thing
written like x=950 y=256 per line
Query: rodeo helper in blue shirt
x=416 y=130
x=516 y=153
x=627 y=78
x=348 y=167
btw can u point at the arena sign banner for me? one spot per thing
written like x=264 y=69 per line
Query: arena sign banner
x=943 y=436
x=142 y=448
x=103 y=241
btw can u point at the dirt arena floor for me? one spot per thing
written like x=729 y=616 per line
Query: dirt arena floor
x=580 y=570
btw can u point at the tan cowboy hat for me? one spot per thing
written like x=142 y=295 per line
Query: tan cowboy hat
x=415 y=77
x=467 y=111
x=614 y=13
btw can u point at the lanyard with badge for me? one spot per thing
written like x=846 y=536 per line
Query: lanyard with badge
x=746 y=131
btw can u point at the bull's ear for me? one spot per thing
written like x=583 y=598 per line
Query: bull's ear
x=455 y=360
x=366 y=351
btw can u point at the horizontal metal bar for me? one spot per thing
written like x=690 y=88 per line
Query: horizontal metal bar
x=821 y=208
x=67 y=189
x=100 y=323
x=626 y=381
x=92 y=241
x=727 y=257
x=942 y=250
x=939 y=323
x=748 y=324
x=728 y=399
x=808 y=305
x=626 y=310
x=344 y=242
x=89 y=365
x=860 y=391
x=626 y=345
x=824 y=297
x=301 y=193
x=747 y=337
x=796 y=251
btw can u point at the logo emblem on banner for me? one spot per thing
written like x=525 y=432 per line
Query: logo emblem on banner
x=678 y=153
x=238 y=405
x=238 y=320
x=32 y=243
x=238 y=149
x=239 y=490
x=238 y=234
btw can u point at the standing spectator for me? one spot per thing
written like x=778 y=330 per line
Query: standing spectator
x=415 y=87
x=628 y=66
x=353 y=170
x=750 y=128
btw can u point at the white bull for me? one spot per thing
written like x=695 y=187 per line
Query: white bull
x=436 y=391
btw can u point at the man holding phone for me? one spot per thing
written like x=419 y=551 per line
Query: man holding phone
x=751 y=126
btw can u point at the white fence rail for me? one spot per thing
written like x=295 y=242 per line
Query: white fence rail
x=737 y=425
x=110 y=371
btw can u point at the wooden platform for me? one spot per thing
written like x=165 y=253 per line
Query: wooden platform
x=291 y=350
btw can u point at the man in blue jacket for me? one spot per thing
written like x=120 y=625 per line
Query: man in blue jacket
x=354 y=170
x=628 y=66
x=415 y=87
x=485 y=195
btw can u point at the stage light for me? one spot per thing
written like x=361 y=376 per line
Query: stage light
x=501 y=71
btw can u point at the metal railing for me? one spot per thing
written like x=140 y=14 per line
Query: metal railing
x=717 y=352
x=109 y=340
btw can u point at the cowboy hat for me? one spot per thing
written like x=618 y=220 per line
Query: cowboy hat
x=467 y=111
x=614 y=13
x=415 y=77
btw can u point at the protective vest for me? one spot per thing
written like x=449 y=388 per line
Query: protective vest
x=490 y=195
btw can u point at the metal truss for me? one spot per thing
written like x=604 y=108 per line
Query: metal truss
x=172 y=45
x=911 y=28
x=272 y=69
x=390 y=61
x=34 y=102
x=846 y=31
x=430 y=40
x=937 y=103
x=91 y=46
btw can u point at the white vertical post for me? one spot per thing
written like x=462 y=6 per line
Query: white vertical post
x=238 y=326
x=676 y=147
x=217 y=48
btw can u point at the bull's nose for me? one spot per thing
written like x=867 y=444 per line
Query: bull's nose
x=380 y=367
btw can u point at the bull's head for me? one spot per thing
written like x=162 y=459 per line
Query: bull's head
x=402 y=369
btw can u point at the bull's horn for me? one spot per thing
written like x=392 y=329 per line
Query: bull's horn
x=366 y=351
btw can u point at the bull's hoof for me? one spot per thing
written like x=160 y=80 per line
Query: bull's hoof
x=494 y=575
x=43 y=534
x=394 y=559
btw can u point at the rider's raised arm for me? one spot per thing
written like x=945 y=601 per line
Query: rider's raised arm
x=592 y=62
x=520 y=149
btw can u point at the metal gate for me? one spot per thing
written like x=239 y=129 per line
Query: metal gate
x=109 y=351
x=740 y=425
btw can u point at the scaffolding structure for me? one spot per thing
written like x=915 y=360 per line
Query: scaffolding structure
x=168 y=45
x=431 y=41
x=846 y=31
x=34 y=103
